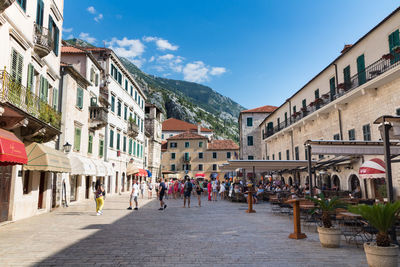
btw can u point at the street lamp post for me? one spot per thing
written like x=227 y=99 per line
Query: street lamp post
x=67 y=147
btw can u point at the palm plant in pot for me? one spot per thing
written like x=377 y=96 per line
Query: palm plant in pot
x=329 y=236
x=382 y=217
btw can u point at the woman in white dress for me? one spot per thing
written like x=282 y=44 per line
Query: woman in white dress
x=222 y=191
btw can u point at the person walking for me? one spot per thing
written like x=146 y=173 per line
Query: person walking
x=150 y=191
x=199 y=190
x=134 y=195
x=209 y=190
x=99 y=194
x=161 y=189
x=214 y=190
x=222 y=191
x=187 y=189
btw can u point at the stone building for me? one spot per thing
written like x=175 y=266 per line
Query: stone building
x=250 y=134
x=153 y=124
x=30 y=120
x=195 y=155
x=172 y=126
x=341 y=103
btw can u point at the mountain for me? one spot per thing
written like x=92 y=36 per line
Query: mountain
x=187 y=101
x=79 y=42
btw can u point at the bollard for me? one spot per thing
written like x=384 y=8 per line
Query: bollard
x=250 y=199
x=296 y=220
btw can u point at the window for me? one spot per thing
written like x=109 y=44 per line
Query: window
x=77 y=139
x=136 y=95
x=119 y=108
x=367 y=132
x=332 y=87
x=398 y=112
x=118 y=141
x=186 y=156
x=287 y=154
x=131 y=91
x=352 y=134
x=22 y=4
x=39 y=12
x=394 y=40
x=200 y=144
x=54 y=32
x=27 y=184
x=187 y=144
x=162 y=136
x=125 y=112
x=101 y=148
x=200 y=155
x=173 y=155
x=126 y=85
x=280 y=156
x=173 y=167
x=137 y=150
x=90 y=145
x=214 y=155
x=249 y=140
x=296 y=153
x=294 y=110
x=112 y=103
x=214 y=167
x=134 y=148
x=16 y=66
x=228 y=155
x=361 y=70
x=29 y=83
x=93 y=101
x=347 y=77
x=124 y=144
x=173 y=145
x=119 y=78
x=304 y=104
x=336 y=137
x=130 y=146
x=316 y=94
x=250 y=122
x=55 y=99
x=111 y=138
x=200 y=167
x=273 y=156
x=79 y=98
x=250 y=157
x=96 y=80
x=286 y=119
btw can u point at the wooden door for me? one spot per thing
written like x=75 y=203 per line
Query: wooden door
x=41 y=189
x=5 y=188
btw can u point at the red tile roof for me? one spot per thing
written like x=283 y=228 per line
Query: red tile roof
x=222 y=145
x=263 y=109
x=72 y=50
x=164 y=145
x=187 y=135
x=173 y=124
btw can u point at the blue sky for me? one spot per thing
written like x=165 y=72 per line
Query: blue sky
x=257 y=52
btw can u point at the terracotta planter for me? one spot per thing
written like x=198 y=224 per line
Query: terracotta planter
x=329 y=237
x=381 y=256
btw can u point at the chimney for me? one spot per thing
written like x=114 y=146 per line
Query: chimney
x=198 y=128
x=345 y=48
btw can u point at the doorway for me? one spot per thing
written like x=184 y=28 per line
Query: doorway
x=5 y=188
x=116 y=182
x=41 y=189
x=54 y=191
x=123 y=182
x=87 y=185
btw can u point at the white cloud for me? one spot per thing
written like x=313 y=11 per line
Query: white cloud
x=98 y=18
x=195 y=72
x=71 y=36
x=129 y=48
x=161 y=44
x=166 y=57
x=217 y=71
x=152 y=58
x=67 y=30
x=91 y=10
x=138 y=62
x=86 y=37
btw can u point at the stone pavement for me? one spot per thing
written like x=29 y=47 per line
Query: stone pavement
x=217 y=234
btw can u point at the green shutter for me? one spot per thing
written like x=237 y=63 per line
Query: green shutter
x=29 y=83
x=111 y=138
x=361 y=70
x=134 y=148
x=16 y=66
x=124 y=145
x=118 y=140
x=138 y=150
x=101 y=148
x=130 y=146
x=55 y=98
x=90 y=145
x=79 y=97
x=394 y=40
x=332 y=87
x=347 y=77
x=39 y=12
x=77 y=139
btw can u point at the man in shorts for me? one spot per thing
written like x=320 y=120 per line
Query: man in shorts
x=134 y=195
x=187 y=190
x=161 y=189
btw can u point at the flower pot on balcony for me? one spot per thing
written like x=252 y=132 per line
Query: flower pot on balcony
x=388 y=56
x=325 y=96
x=381 y=256
x=396 y=49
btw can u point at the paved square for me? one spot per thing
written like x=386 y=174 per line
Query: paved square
x=217 y=234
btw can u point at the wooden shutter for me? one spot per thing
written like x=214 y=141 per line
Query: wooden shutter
x=101 y=148
x=29 y=83
x=346 y=77
x=332 y=87
x=90 y=145
x=39 y=12
x=77 y=139
x=79 y=97
x=55 y=98
x=46 y=90
x=361 y=70
x=16 y=66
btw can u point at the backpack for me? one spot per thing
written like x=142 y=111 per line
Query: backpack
x=189 y=187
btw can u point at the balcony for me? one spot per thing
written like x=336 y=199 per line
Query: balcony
x=371 y=72
x=42 y=40
x=186 y=159
x=98 y=117
x=4 y=4
x=133 y=129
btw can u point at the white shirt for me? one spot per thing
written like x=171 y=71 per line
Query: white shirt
x=135 y=190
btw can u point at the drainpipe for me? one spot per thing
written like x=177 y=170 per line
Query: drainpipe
x=59 y=108
x=340 y=124
x=290 y=111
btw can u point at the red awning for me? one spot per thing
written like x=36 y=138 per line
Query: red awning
x=200 y=174
x=141 y=173
x=12 y=150
x=374 y=168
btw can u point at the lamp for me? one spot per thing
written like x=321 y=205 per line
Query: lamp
x=67 y=147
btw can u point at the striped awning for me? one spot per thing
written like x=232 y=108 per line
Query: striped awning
x=44 y=158
x=374 y=168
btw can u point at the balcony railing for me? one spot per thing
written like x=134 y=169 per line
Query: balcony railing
x=98 y=117
x=133 y=129
x=371 y=72
x=186 y=159
x=13 y=92
x=42 y=40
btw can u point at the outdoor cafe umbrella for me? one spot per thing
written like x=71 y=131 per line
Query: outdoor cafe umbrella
x=374 y=168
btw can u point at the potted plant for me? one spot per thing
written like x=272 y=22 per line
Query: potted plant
x=388 y=56
x=396 y=49
x=329 y=236
x=382 y=217
x=326 y=96
x=341 y=86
